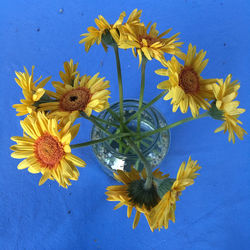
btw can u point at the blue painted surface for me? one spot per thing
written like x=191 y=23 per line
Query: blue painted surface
x=212 y=214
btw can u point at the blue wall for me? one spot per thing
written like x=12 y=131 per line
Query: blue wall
x=212 y=214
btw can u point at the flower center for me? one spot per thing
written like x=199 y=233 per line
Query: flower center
x=48 y=151
x=150 y=40
x=188 y=80
x=76 y=99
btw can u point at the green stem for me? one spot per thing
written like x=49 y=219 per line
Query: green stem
x=143 y=68
x=145 y=107
x=119 y=74
x=115 y=116
x=85 y=144
x=147 y=134
x=148 y=183
x=100 y=127
x=92 y=119
x=104 y=121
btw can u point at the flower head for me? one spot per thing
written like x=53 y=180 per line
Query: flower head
x=225 y=93
x=164 y=210
x=46 y=149
x=85 y=94
x=31 y=92
x=157 y=203
x=149 y=44
x=130 y=193
x=106 y=33
x=186 y=86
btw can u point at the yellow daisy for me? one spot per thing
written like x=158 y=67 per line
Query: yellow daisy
x=87 y=94
x=70 y=73
x=31 y=92
x=95 y=35
x=125 y=195
x=225 y=93
x=164 y=210
x=150 y=44
x=46 y=149
x=186 y=86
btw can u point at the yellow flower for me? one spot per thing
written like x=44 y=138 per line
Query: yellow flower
x=186 y=86
x=86 y=94
x=95 y=35
x=150 y=44
x=133 y=20
x=225 y=93
x=47 y=150
x=123 y=194
x=164 y=210
x=70 y=72
x=31 y=92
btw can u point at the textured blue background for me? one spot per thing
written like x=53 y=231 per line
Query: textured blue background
x=212 y=214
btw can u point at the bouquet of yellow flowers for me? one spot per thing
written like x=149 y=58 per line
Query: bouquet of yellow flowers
x=48 y=128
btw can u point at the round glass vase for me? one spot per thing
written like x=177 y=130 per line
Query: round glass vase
x=154 y=147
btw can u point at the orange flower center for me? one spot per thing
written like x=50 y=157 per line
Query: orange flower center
x=189 y=80
x=76 y=99
x=48 y=151
x=150 y=40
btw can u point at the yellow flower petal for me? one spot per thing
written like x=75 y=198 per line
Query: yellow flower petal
x=136 y=220
x=44 y=178
x=75 y=160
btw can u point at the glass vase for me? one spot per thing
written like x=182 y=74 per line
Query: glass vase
x=154 y=147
